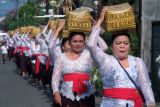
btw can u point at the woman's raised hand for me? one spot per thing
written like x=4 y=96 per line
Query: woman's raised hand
x=101 y=18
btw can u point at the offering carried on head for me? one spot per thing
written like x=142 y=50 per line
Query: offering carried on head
x=80 y=21
x=65 y=33
x=23 y=30
x=29 y=28
x=11 y=33
x=52 y=24
x=35 y=31
x=119 y=17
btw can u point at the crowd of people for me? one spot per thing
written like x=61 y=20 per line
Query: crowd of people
x=65 y=65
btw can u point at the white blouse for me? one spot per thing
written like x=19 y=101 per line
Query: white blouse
x=54 y=49
x=63 y=66
x=44 y=50
x=113 y=76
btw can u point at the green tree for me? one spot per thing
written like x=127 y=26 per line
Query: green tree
x=27 y=13
x=26 y=17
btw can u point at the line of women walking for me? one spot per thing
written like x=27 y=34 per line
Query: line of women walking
x=124 y=76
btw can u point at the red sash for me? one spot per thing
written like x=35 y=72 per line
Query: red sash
x=37 y=63
x=47 y=63
x=78 y=81
x=23 y=49
x=16 y=49
x=126 y=94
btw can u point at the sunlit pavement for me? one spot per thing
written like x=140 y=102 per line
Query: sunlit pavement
x=17 y=91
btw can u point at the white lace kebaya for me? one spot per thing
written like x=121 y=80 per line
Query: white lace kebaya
x=113 y=76
x=83 y=64
x=63 y=66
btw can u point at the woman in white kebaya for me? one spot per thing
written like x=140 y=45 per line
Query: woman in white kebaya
x=119 y=88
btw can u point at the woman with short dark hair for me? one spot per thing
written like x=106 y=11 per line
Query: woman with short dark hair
x=75 y=68
x=123 y=75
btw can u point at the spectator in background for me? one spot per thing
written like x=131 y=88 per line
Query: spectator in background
x=4 y=49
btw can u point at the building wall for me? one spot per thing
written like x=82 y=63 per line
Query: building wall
x=150 y=13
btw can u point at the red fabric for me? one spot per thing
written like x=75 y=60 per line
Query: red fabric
x=43 y=54
x=47 y=63
x=16 y=50
x=78 y=81
x=23 y=49
x=126 y=94
x=27 y=48
x=37 y=63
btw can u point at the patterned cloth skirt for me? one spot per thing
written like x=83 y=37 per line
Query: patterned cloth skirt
x=87 y=102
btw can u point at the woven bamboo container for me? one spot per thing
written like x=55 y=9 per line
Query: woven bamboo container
x=80 y=21
x=29 y=28
x=23 y=29
x=11 y=33
x=35 y=31
x=65 y=33
x=119 y=17
x=52 y=24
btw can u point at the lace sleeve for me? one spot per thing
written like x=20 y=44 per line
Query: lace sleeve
x=56 y=74
x=144 y=83
x=54 y=49
x=96 y=52
x=49 y=36
x=102 y=44
x=26 y=42
x=57 y=49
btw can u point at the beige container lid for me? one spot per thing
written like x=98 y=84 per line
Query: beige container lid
x=119 y=8
x=80 y=21
x=52 y=23
x=120 y=17
x=11 y=33
x=29 y=28
x=23 y=29
x=35 y=31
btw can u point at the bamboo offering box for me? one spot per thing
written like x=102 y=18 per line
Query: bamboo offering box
x=11 y=33
x=23 y=30
x=80 y=21
x=35 y=31
x=119 y=17
x=52 y=24
x=65 y=33
x=29 y=28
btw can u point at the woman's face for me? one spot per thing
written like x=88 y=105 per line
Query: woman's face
x=121 y=47
x=77 y=43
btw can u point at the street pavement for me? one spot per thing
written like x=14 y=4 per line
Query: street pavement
x=17 y=91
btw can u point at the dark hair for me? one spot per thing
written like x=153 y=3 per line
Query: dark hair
x=64 y=41
x=4 y=42
x=72 y=34
x=120 y=33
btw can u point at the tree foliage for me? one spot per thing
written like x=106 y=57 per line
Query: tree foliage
x=26 y=15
